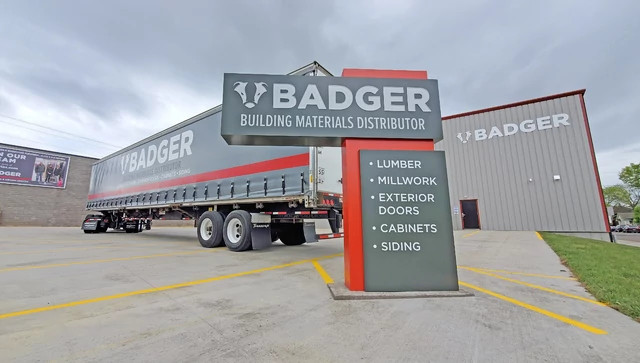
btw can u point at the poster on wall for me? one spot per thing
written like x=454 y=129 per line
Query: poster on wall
x=30 y=168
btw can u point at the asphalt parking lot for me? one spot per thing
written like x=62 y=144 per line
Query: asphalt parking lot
x=630 y=239
x=159 y=296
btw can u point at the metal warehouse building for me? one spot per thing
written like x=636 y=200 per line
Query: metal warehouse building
x=525 y=166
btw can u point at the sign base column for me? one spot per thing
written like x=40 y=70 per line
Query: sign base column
x=352 y=204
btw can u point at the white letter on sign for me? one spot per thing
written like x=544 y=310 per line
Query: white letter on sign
x=334 y=90
x=374 y=101
x=283 y=95
x=417 y=97
x=311 y=97
x=391 y=95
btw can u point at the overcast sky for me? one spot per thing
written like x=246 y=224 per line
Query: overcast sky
x=119 y=71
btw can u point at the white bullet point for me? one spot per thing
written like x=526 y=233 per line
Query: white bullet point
x=375 y=246
x=371 y=163
x=374 y=228
x=371 y=180
x=372 y=197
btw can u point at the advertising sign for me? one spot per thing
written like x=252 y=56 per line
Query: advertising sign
x=406 y=222
x=32 y=168
x=263 y=109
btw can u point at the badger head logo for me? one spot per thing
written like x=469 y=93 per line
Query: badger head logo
x=466 y=137
x=241 y=89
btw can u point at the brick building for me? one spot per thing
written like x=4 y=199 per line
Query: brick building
x=28 y=200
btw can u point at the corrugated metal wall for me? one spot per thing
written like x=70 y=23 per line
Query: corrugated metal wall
x=513 y=176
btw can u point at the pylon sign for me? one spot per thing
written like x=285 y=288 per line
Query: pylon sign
x=398 y=229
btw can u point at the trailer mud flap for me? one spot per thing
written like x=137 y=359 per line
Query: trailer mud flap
x=309 y=229
x=260 y=236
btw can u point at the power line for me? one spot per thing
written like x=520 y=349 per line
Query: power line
x=49 y=133
x=60 y=131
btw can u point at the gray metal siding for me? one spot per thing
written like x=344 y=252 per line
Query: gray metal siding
x=496 y=171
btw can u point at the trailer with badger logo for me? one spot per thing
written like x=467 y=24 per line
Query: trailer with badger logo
x=243 y=197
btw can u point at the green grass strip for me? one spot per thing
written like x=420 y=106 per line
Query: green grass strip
x=609 y=271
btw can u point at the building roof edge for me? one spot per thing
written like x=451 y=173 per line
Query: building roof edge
x=515 y=104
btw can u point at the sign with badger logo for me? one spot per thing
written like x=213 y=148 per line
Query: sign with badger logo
x=263 y=109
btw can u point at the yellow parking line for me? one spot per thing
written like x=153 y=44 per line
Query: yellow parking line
x=325 y=276
x=471 y=234
x=539 y=236
x=522 y=273
x=52 y=251
x=77 y=249
x=160 y=288
x=535 y=286
x=33 y=267
x=548 y=313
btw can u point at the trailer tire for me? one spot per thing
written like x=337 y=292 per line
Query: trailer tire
x=292 y=235
x=210 y=227
x=237 y=231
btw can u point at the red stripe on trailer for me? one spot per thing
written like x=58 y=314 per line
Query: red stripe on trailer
x=330 y=235
x=286 y=162
x=277 y=213
x=303 y=212
x=320 y=212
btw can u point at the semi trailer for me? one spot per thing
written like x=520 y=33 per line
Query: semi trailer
x=244 y=197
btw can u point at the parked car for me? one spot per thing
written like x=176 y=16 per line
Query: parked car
x=630 y=229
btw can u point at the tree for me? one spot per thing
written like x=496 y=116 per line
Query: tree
x=616 y=195
x=630 y=177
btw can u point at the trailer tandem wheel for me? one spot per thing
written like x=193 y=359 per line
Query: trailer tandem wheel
x=210 y=226
x=237 y=231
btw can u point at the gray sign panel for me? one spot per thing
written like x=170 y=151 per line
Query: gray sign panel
x=32 y=168
x=263 y=109
x=406 y=222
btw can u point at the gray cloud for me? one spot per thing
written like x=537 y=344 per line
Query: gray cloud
x=121 y=61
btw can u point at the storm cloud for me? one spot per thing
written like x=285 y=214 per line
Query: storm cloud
x=121 y=70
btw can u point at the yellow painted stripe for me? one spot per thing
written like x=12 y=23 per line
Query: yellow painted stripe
x=325 y=276
x=522 y=273
x=539 y=236
x=536 y=286
x=33 y=267
x=160 y=288
x=471 y=234
x=53 y=251
x=548 y=313
x=35 y=251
